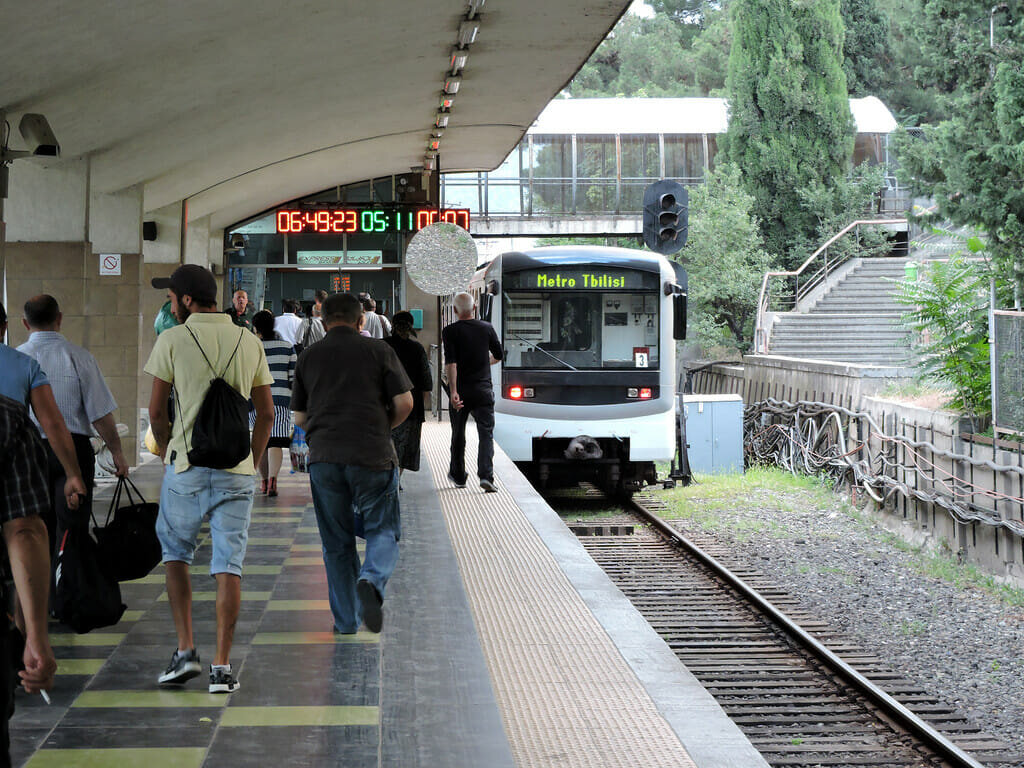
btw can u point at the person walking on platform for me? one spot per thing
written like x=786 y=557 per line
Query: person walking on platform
x=349 y=393
x=312 y=329
x=23 y=499
x=281 y=361
x=84 y=402
x=237 y=310
x=206 y=346
x=287 y=325
x=471 y=347
x=22 y=380
x=373 y=323
x=406 y=436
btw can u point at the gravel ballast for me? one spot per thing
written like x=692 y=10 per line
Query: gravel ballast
x=963 y=644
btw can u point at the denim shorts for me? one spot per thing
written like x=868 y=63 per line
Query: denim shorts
x=198 y=493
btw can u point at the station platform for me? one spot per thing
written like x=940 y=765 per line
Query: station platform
x=503 y=645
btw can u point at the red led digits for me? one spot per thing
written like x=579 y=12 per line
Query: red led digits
x=329 y=220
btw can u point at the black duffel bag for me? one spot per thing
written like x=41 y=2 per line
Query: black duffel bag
x=127 y=543
x=85 y=596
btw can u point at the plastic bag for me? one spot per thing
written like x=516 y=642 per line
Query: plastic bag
x=164 y=319
x=299 y=450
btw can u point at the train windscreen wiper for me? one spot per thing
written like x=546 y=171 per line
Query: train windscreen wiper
x=553 y=357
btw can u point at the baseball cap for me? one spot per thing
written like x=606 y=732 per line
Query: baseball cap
x=190 y=280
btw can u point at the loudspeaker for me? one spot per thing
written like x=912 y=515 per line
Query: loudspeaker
x=149 y=230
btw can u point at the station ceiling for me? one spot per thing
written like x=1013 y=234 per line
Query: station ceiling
x=236 y=105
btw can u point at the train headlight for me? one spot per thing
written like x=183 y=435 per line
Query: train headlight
x=632 y=392
x=515 y=393
x=645 y=393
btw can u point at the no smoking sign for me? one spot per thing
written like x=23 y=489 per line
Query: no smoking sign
x=110 y=263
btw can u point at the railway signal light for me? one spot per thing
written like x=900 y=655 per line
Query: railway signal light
x=666 y=216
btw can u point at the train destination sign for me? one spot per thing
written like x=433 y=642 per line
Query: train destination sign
x=581 y=279
x=356 y=219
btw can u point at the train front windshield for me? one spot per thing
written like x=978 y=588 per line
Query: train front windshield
x=583 y=330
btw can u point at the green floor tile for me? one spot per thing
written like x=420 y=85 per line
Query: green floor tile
x=234 y=717
x=153 y=578
x=61 y=640
x=202 y=597
x=79 y=666
x=130 y=616
x=307 y=548
x=312 y=638
x=122 y=758
x=304 y=561
x=151 y=698
x=307 y=529
x=299 y=605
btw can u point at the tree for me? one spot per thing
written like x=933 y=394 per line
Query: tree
x=790 y=121
x=972 y=162
x=866 y=49
x=724 y=258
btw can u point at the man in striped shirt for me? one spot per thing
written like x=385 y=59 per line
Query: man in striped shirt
x=83 y=399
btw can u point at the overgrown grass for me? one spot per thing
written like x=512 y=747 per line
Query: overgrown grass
x=704 y=502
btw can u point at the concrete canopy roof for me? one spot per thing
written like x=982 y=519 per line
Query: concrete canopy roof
x=236 y=106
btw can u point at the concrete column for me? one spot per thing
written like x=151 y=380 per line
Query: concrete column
x=56 y=230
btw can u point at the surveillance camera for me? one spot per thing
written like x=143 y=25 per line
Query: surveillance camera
x=238 y=240
x=38 y=135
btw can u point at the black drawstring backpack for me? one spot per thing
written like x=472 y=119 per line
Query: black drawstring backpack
x=220 y=435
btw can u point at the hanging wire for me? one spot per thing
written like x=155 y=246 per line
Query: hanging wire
x=820 y=438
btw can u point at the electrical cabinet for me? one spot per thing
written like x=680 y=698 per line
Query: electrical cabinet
x=714 y=433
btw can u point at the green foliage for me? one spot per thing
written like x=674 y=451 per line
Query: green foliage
x=949 y=313
x=972 y=162
x=866 y=56
x=790 y=123
x=842 y=200
x=724 y=259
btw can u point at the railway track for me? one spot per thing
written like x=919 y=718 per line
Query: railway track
x=804 y=695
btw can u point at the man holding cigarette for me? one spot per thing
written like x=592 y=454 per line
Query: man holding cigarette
x=23 y=501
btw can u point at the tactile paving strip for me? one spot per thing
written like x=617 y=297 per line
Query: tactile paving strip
x=567 y=696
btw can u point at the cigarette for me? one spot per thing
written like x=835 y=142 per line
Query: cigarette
x=45 y=695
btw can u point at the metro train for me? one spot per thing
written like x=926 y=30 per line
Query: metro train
x=586 y=389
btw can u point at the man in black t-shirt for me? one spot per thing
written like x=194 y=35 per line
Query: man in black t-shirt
x=471 y=347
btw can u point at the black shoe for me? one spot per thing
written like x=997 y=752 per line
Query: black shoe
x=183 y=666
x=488 y=486
x=456 y=483
x=373 y=615
x=222 y=682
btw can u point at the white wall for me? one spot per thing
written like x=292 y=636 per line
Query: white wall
x=47 y=203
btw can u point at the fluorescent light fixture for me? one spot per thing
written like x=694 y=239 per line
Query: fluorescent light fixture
x=452 y=84
x=447 y=101
x=467 y=31
x=474 y=8
x=442 y=120
x=457 y=60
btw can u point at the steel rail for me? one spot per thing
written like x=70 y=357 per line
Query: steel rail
x=939 y=744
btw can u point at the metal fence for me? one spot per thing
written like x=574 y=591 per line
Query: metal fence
x=1008 y=371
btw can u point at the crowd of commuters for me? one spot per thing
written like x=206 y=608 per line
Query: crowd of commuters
x=327 y=372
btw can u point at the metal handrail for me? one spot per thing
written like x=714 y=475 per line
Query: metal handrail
x=760 y=336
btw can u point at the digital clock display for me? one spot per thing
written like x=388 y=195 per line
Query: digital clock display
x=365 y=220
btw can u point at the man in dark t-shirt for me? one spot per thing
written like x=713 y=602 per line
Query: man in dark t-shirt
x=471 y=347
x=348 y=394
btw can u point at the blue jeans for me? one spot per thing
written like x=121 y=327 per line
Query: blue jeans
x=186 y=498
x=338 y=491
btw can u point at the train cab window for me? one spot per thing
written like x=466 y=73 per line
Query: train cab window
x=590 y=331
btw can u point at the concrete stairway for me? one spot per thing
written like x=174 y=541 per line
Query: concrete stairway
x=856 y=321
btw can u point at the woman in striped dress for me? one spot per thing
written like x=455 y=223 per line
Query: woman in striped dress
x=281 y=359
